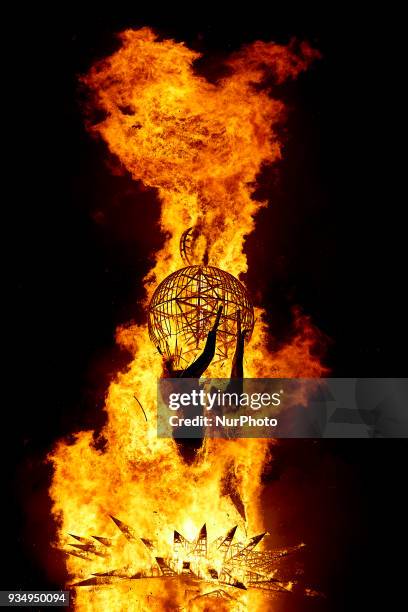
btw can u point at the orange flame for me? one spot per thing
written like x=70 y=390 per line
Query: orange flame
x=201 y=145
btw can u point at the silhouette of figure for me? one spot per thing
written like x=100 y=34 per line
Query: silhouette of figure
x=188 y=447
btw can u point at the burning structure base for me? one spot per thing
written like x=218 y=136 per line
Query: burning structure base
x=223 y=565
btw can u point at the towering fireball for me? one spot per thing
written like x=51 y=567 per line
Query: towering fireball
x=201 y=145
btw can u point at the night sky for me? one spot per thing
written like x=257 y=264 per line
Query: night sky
x=330 y=242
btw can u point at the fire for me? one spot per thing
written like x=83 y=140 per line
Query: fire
x=200 y=145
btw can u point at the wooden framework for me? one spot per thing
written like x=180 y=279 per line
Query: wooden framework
x=183 y=309
x=242 y=567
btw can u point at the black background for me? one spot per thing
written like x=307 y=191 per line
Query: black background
x=331 y=241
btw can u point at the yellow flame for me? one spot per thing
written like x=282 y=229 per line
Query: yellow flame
x=201 y=145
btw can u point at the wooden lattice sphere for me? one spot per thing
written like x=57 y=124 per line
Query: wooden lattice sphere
x=183 y=310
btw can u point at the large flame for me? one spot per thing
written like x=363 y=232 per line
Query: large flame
x=201 y=145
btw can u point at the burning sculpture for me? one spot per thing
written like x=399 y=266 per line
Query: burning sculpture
x=223 y=562
x=200 y=145
x=183 y=309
